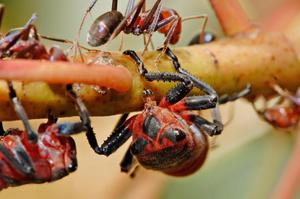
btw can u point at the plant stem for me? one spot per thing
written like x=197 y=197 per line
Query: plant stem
x=231 y=16
x=227 y=65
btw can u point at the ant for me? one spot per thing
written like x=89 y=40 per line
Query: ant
x=284 y=113
x=137 y=21
x=166 y=137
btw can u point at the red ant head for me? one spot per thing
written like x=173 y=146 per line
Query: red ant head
x=163 y=140
x=60 y=152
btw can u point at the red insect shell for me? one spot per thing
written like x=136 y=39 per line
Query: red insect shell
x=178 y=158
x=52 y=157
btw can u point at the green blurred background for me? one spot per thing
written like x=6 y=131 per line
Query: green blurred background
x=246 y=164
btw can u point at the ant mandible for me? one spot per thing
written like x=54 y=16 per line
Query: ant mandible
x=137 y=21
x=166 y=137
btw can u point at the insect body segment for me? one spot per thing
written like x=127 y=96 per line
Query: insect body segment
x=136 y=21
x=285 y=113
x=48 y=157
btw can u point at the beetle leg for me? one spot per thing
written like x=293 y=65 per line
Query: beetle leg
x=18 y=159
x=211 y=128
x=174 y=95
x=229 y=98
x=215 y=112
x=70 y=128
x=119 y=136
x=202 y=102
x=2 y=131
x=198 y=83
x=127 y=162
x=31 y=135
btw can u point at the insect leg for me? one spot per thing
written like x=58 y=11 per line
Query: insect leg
x=92 y=4
x=210 y=128
x=155 y=11
x=202 y=32
x=127 y=162
x=169 y=36
x=119 y=136
x=18 y=159
x=1 y=13
x=12 y=37
x=130 y=7
x=175 y=94
x=198 y=83
x=123 y=23
x=2 y=131
x=229 y=98
x=21 y=161
x=31 y=135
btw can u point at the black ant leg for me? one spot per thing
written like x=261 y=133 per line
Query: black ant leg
x=31 y=135
x=118 y=137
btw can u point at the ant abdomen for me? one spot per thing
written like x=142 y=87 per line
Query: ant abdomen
x=103 y=27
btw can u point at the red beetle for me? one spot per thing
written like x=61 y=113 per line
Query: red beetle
x=27 y=157
x=167 y=137
x=286 y=113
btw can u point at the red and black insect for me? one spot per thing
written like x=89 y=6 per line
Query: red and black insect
x=286 y=112
x=29 y=157
x=26 y=156
x=137 y=21
x=165 y=137
x=25 y=43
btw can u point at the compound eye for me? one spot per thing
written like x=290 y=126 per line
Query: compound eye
x=179 y=135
